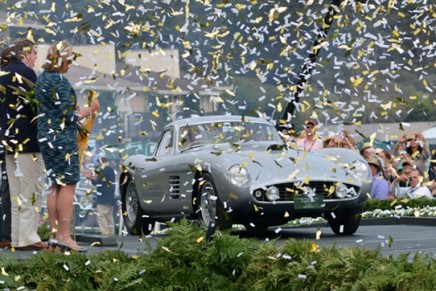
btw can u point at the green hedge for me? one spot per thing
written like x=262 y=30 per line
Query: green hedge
x=185 y=260
x=390 y=204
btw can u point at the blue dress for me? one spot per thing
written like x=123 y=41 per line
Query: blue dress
x=57 y=127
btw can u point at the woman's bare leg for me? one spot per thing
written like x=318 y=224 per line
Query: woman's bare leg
x=65 y=209
x=52 y=196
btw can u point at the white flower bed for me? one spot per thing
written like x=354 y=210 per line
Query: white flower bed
x=426 y=211
x=399 y=211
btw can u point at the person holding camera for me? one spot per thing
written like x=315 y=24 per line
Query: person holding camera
x=415 y=146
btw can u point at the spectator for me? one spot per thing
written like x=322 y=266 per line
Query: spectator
x=432 y=168
x=415 y=145
x=311 y=141
x=390 y=175
x=384 y=155
x=104 y=180
x=433 y=189
x=348 y=141
x=404 y=171
x=367 y=150
x=379 y=188
x=24 y=165
x=57 y=135
x=414 y=191
x=333 y=142
x=5 y=198
x=343 y=141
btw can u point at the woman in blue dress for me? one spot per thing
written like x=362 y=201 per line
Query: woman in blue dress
x=57 y=136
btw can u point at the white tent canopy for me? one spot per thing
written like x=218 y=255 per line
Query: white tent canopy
x=430 y=135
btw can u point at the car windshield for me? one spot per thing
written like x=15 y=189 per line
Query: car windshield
x=225 y=132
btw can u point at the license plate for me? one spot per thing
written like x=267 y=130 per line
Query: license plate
x=305 y=202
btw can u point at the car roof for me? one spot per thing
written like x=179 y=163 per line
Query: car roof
x=215 y=118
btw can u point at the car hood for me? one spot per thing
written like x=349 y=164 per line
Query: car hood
x=279 y=166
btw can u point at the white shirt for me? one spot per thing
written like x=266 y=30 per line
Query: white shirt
x=411 y=192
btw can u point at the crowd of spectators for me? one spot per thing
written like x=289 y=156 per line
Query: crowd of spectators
x=408 y=170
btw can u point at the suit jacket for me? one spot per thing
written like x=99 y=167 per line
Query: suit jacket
x=20 y=132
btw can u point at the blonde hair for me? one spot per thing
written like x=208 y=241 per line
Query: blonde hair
x=59 y=56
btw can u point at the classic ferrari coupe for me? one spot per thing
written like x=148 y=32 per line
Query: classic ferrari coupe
x=225 y=170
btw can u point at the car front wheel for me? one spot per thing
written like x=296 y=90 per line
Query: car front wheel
x=345 y=221
x=134 y=217
x=211 y=208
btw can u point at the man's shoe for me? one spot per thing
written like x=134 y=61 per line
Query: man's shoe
x=5 y=244
x=33 y=247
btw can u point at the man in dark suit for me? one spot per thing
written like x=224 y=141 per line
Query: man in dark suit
x=24 y=164
x=104 y=180
x=5 y=199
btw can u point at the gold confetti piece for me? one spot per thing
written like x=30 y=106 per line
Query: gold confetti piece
x=293 y=174
x=424 y=82
x=314 y=248
x=233 y=196
x=200 y=239
x=95 y=244
x=240 y=6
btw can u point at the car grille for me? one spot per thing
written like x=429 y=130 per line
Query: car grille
x=288 y=191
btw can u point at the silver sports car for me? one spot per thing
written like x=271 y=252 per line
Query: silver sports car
x=226 y=170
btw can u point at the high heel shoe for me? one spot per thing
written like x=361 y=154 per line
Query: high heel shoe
x=65 y=247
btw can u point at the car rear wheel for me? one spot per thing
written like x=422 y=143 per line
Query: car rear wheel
x=134 y=217
x=345 y=221
x=211 y=208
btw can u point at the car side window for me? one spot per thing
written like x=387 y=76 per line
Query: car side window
x=166 y=144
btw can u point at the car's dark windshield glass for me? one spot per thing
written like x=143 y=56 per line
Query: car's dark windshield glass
x=224 y=132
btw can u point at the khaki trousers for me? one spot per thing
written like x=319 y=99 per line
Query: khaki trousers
x=105 y=219
x=26 y=183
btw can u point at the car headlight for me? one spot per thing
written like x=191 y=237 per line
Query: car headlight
x=272 y=193
x=237 y=175
x=360 y=169
x=341 y=190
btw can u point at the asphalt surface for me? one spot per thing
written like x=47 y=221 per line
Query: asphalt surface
x=391 y=238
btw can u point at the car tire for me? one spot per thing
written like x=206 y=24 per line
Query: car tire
x=134 y=217
x=210 y=205
x=345 y=221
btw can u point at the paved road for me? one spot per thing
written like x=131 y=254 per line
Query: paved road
x=404 y=239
